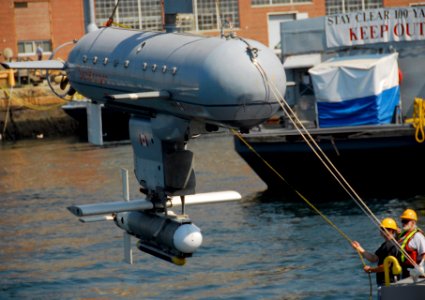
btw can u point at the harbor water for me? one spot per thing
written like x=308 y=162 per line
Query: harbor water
x=262 y=247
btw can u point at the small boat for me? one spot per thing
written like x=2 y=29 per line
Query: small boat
x=362 y=105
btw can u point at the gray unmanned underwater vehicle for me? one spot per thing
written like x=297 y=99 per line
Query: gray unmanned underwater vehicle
x=174 y=86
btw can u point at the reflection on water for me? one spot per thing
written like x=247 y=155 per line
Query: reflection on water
x=263 y=247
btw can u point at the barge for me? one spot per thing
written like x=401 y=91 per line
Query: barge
x=367 y=118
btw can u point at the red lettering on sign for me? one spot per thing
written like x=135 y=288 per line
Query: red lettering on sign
x=362 y=32
x=353 y=35
x=384 y=30
x=373 y=31
x=408 y=30
x=398 y=29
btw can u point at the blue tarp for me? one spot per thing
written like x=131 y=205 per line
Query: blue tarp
x=376 y=109
x=356 y=90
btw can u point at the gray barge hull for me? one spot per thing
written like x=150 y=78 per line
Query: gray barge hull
x=377 y=161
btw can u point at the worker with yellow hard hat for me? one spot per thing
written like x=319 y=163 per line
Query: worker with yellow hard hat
x=388 y=231
x=412 y=240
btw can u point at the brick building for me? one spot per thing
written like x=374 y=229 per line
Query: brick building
x=50 y=23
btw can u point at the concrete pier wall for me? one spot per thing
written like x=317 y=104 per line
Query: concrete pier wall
x=33 y=112
x=27 y=124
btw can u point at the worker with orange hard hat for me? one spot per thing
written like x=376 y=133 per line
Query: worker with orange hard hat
x=388 y=248
x=412 y=240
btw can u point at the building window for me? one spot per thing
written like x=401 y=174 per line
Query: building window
x=21 y=4
x=277 y=2
x=345 y=6
x=136 y=14
x=207 y=14
x=103 y=9
x=27 y=48
x=147 y=14
x=150 y=15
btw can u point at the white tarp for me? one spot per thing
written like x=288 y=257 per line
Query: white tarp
x=356 y=90
x=375 y=26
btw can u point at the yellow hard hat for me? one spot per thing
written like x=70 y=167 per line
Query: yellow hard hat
x=409 y=214
x=389 y=223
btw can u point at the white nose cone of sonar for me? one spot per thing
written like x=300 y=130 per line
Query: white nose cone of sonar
x=187 y=238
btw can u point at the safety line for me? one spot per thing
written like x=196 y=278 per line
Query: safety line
x=311 y=142
x=324 y=158
x=253 y=53
x=311 y=205
x=339 y=177
x=325 y=161
x=296 y=191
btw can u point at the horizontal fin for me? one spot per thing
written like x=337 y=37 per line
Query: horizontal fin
x=142 y=95
x=207 y=198
x=109 y=207
x=96 y=218
x=105 y=208
x=39 y=64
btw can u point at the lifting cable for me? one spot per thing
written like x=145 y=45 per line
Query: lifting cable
x=311 y=205
x=239 y=135
x=311 y=142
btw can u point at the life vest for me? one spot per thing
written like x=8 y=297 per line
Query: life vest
x=404 y=240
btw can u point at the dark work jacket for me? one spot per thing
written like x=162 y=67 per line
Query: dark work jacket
x=387 y=248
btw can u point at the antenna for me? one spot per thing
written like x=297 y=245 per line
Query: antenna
x=111 y=18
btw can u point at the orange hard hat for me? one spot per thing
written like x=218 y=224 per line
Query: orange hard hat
x=389 y=223
x=409 y=214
